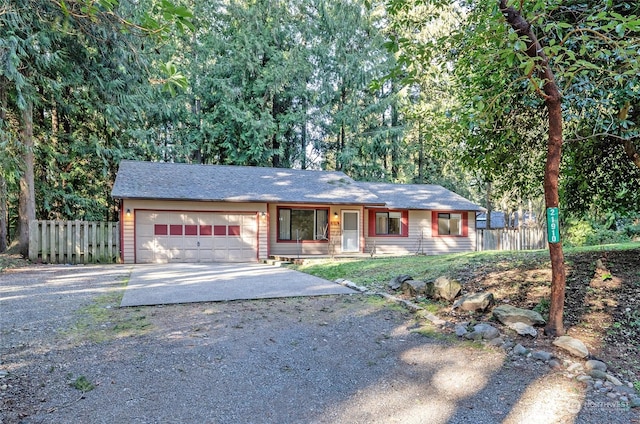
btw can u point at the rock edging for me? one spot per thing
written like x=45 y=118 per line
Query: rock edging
x=592 y=373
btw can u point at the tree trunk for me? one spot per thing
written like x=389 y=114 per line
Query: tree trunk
x=420 y=154
x=395 y=166
x=303 y=138
x=4 y=216
x=489 y=205
x=553 y=102
x=26 y=200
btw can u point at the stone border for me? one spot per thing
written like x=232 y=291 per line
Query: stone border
x=592 y=373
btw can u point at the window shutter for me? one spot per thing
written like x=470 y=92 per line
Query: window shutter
x=465 y=224
x=404 y=231
x=434 y=224
x=372 y=223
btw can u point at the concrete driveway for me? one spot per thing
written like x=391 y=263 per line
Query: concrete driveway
x=158 y=284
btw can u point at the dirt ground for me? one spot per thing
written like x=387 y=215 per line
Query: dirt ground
x=69 y=354
x=602 y=302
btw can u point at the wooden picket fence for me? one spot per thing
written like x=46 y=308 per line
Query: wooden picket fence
x=526 y=238
x=74 y=242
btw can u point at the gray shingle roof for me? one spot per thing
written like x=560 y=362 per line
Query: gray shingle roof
x=420 y=196
x=178 y=181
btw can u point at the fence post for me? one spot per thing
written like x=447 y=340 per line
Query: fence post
x=85 y=242
x=69 y=252
x=33 y=240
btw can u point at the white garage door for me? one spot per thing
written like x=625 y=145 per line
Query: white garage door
x=195 y=237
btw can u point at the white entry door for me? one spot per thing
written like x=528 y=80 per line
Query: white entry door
x=350 y=231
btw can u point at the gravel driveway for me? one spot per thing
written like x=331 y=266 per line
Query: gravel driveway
x=70 y=355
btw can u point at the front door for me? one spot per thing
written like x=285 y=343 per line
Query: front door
x=350 y=231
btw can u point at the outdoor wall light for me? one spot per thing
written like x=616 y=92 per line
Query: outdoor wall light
x=263 y=214
x=335 y=215
x=128 y=212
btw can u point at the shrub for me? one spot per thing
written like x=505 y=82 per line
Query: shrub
x=587 y=232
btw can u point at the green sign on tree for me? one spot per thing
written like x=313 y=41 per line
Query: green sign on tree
x=553 y=225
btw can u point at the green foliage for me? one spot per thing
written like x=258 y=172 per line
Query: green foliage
x=543 y=308
x=591 y=232
x=496 y=115
x=82 y=384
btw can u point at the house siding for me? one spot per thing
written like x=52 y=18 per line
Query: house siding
x=306 y=248
x=420 y=239
x=128 y=232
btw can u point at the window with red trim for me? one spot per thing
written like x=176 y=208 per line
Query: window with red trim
x=190 y=230
x=206 y=230
x=219 y=230
x=160 y=230
x=175 y=230
x=388 y=223
x=234 y=230
x=454 y=224
x=303 y=224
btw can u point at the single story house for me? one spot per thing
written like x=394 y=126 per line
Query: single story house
x=175 y=212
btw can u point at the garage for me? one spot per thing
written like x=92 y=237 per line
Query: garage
x=181 y=236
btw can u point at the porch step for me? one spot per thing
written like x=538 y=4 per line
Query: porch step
x=276 y=262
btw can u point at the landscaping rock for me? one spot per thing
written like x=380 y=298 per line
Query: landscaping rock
x=508 y=314
x=396 y=282
x=523 y=329
x=625 y=390
x=498 y=341
x=520 y=350
x=574 y=346
x=554 y=364
x=414 y=288
x=475 y=302
x=473 y=335
x=613 y=380
x=600 y=375
x=461 y=330
x=584 y=378
x=542 y=355
x=446 y=288
x=593 y=364
x=634 y=402
x=488 y=331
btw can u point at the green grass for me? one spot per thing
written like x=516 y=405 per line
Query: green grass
x=104 y=320
x=377 y=272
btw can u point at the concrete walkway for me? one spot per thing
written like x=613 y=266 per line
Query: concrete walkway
x=159 y=284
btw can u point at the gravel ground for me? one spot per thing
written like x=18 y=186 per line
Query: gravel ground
x=70 y=355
